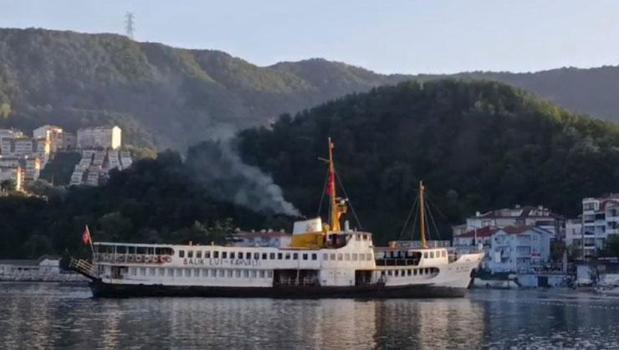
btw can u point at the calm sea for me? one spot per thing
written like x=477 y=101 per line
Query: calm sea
x=54 y=316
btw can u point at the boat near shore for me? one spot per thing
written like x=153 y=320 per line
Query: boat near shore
x=322 y=261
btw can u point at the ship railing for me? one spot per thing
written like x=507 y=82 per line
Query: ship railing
x=132 y=258
x=84 y=267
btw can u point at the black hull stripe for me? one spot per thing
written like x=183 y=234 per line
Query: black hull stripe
x=107 y=290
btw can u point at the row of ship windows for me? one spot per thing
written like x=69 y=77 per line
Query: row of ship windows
x=247 y=255
x=163 y=272
x=275 y=256
x=438 y=254
x=347 y=256
x=409 y=272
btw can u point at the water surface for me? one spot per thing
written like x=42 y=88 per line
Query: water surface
x=56 y=316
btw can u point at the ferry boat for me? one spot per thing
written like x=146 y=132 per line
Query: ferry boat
x=321 y=261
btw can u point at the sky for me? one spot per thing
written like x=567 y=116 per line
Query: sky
x=386 y=36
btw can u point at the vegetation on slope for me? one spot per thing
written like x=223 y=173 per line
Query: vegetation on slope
x=158 y=94
x=153 y=201
x=476 y=145
x=168 y=97
x=591 y=91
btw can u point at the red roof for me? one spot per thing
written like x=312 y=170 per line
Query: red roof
x=605 y=202
x=516 y=230
x=486 y=231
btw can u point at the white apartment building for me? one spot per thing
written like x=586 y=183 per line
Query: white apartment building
x=52 y=135
x=10 y=133
x=32 y=168
x=518 y=249
x=474 y=237
x=68 y=141
x=573 y=235
x=28 y=169
x=94 y=166
x=600 y=219
x=26 y=147
x=99 y=137
x=23 y=146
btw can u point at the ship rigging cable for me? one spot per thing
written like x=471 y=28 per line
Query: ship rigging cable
x=352 y=209
x=322 y=193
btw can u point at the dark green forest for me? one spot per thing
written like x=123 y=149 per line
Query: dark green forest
x=153 y=201
x=477 y=146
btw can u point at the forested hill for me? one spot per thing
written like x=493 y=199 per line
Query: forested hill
x=152 y=201
x=158 y=94
x=476 y=145
x=591 y=91
x=166 y=96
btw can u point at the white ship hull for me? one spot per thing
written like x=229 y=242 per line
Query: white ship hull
x=352 y=270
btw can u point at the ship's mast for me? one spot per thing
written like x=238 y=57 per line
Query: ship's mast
x=333 y=207
x=422 y=215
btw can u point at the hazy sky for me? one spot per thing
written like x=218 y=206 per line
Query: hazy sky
x=406 y=36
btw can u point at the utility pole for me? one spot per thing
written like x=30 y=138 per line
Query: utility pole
x=129 y=25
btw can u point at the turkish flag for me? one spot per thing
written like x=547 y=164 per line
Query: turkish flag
x=86 y=239
x=331 y=185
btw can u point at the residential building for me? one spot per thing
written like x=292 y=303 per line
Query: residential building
x=6 y=146
x=46 y=268
x=573 y=235
x=99 y=137
x=26 y=147
x=28 y=168
x=52 y=135
x=519 y=249
x=32 y=168
x=22 y=146
x=600 y=220
x=95 y=165
x=67 y=142
x=517 y=216
x=10 y=133
x=475 y=237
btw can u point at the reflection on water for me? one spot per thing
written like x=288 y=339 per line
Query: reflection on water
x=54 y=316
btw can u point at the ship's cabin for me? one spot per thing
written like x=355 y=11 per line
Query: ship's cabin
x=409 y=257
x=340 y=239
x=127 y=252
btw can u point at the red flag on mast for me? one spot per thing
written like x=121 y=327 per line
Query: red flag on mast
x=86 y=239
x=331 y=185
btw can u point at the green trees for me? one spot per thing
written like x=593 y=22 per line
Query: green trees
x=612 y=246
x=5 y=110
x=7 y=185
x=155 y=200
